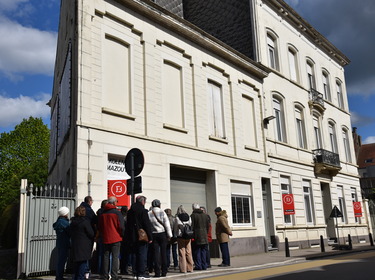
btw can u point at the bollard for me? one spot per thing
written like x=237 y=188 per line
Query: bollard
x=287 y=252
x=371 y=240
x=322 y=249
x=350 y=242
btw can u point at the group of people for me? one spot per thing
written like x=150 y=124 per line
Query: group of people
x=137 y=237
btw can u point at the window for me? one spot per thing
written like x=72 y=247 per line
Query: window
x=311 y=74
x=241 y=203
x=279 y=115
x=272 y=51
x=286 y=189
x=332 y=137
x=293 y=69
x=172 y=94
x=248 y=121
x=346 y=145
x=326 y=86
x=308 y=200
x=340 y=196
x=317 y=133
x=116 y=75
x=300 y=126
x=340 y=99
x=354 y=199
x=216 y=115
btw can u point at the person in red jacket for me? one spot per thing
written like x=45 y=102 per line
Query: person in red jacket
x=111 y=228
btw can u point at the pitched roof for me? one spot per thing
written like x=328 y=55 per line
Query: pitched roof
x=366 y=156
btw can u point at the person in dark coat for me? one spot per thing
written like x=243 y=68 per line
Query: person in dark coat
x=82 y=236
x=137 y=218
x=90 y=214
x=99 y=240
x=200 y=225
x=61 y=226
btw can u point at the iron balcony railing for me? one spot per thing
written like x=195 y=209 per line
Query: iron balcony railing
x=326 y=157
x=316 y=97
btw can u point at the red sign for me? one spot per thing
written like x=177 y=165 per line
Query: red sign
x=288 y=204
x=357 y=209
x=117 y=188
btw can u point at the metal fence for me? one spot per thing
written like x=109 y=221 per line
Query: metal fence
x=37 y=239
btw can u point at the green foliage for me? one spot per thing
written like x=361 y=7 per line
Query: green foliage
x=23 y=155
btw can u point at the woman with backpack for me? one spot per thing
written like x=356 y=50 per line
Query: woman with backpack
x=182 y=229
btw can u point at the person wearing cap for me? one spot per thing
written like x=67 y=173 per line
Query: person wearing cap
x=200 y=226
x=223 y=232
x=61 y=226
x=161 y=232
x=111 y=228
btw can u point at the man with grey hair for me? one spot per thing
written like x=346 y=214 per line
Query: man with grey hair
x=200 y=225
x=111 y=228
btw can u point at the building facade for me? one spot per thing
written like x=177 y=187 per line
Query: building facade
x=249 y=123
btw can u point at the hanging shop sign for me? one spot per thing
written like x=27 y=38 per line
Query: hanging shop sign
x=288 y=204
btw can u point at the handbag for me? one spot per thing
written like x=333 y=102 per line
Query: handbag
x=142 y=235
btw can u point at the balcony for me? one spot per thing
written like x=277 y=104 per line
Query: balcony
x=326 y=162
x=316 y=100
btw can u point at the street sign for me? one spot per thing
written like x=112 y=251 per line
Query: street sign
x=336 y=213
x=118 y=189
x=134 y=162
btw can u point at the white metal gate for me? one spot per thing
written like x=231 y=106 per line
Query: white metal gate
x=37 y=239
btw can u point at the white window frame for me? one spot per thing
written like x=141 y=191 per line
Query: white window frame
x=308 y=201
x=326 y=85
x=332 y=137
x=317 y=132
x=286 y=189
x=293 y=64
x=345 y=138
x=342 y=204
x=272 y=52
x=216 y=110
x=311 y=74
x=340 y=98
x=300 y=128
x=278 y=110
x=242 y=191
x=354 y=196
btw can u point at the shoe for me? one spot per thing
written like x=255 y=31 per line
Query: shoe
x=144 y=277
x=195 y=268
x=176 y=268
x=223 y=265
x=163 y=274
x=208 y=266
x=157 y=276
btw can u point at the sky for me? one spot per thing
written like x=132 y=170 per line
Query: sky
x=28 y=35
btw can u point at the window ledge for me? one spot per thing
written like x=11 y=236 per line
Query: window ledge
x=174 y=128
x=243 y=227
x=217 y=139
x=251 y=148
x=117 y=113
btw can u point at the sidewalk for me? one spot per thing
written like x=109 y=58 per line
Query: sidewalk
x=251 y=262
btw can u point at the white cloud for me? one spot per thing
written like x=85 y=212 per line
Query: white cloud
x=14 y=110
x=11 y=5
x=25 y=49
x=368 y=140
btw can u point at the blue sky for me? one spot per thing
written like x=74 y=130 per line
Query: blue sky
x=28 y=32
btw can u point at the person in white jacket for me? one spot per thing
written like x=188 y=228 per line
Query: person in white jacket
x=185 y=256
x=161 y=234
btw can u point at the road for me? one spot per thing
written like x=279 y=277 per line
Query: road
x=356 y=266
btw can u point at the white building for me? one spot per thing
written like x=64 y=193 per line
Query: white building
x=131 y=74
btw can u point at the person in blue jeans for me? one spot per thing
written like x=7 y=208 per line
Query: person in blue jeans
x=61 y=226
x=223 y=232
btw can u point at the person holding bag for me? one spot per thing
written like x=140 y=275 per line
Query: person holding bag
x=138 y=222
x=185 y=256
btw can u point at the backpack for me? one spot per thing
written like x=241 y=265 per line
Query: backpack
x=187 y=232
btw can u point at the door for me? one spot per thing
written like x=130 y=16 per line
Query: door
x=327 y=206
x=268 y=213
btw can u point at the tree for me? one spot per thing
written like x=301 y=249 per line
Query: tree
x=23 y=155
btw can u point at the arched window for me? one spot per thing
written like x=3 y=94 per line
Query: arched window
x=293 y=64
x=273 y=61
x=310 y=73
x=326 y=85
x=345 y=138
x=340 y=99
x=300 y=127
x=317 y=132
x=279 y=113
x=332 y=136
